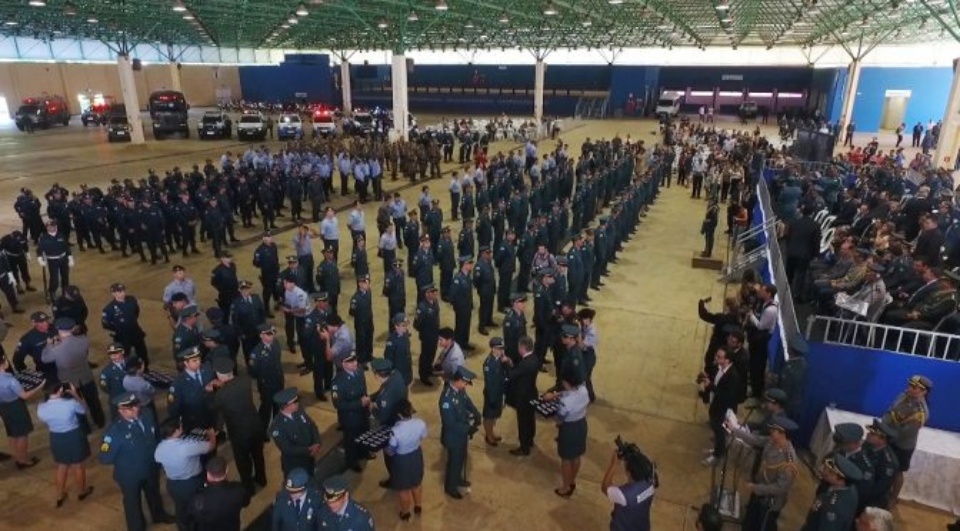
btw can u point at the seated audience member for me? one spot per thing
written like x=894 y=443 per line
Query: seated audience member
x=899 y=269
x=940 y=304
x=900 y=312
x=929 y=241
x=867 y=301
x=849 y=282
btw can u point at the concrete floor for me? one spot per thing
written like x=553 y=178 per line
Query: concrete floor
x=651 y=346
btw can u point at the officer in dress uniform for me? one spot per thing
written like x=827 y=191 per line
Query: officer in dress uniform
x=395 y=290
x=224 y=279
x=212 y=345
x=460 y=420
x=53 y=252
x=773 y=477
x=295 y=308
x=386 y=400
x=886 y=466
x=189 y=396
x=397 y=350
x=111 y=377
x=187 y=333
x=349 y=393
x=180 y=459
x=266 y=367
x=32 y=344
x=266 y=258
x=294 y=433
x=506 y=261
x=461 y=298
x=835 y=508
x=340 y=513
x=314 y=346
x=121 y=317
x=848 y=437
x=446 y=260
x=247 y=314
x=15 y=415
x=129 y=444
x=571 y=363
x=494 y=387
x=427 y=325
x=298 y=505
x=361 y=309
x=422 y=266
x=328 y=277
x=515 y=325
x=908 y=414
x=484 y=280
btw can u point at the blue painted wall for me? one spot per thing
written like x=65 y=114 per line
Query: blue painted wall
x=636 y=80
x=299 y=73
x=930 y=90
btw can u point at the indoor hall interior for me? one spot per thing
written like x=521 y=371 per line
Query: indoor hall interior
x=651 y=348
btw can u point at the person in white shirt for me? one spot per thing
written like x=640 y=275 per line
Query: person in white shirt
x=357 y=221
x=330 y=231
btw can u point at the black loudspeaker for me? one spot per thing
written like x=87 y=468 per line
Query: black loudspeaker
x=409 y=65
x=137 y=65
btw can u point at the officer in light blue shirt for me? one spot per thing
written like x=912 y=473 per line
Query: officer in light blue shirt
x=357 y=222
x=180 y=458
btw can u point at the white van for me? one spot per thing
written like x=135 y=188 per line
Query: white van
x=669 y=104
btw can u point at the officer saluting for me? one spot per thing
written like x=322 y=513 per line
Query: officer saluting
x=835 y=508
x=339 y=511
x=53 y=252
x=129 y=444
x=294 y=433
x=298 y=506
x=460 y=420
x=188 y=396
x=266 y=368
x=121 y=317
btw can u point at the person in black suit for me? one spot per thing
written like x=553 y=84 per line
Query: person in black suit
x=903 y=312
x=521 y=389
x=217 y=507
x=234 y=402
x=929 y=241
x=861 y=222
x=722 y=392
x=803 y=245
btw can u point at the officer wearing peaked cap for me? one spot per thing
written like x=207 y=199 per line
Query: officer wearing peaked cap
x=247 y=313
x=340 y=512
x=349 y=394
x=294 y=433
x=835 y=508
x=886 y=466
x=907 y=415
x=266 y=367
x=427 y=325
x=772 y=480
x=298 y=506
x=395 y=290
x=111 y=377
x=397 y=349
x=189 y=395
x=460 y=420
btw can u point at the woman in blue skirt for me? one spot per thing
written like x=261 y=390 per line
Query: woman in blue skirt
x=406 y=462
x=13 y=412
x=61 y=413
x=571 y=419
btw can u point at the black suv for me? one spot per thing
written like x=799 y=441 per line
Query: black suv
x=215 y=125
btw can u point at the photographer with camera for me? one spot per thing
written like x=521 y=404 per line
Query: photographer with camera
x=632 y=500
x=61 y=412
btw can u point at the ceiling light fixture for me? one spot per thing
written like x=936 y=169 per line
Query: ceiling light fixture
x=504 y=18
x=69 y=9
x=302 y=10
x=413 y=17
x=723 y=5
x=441 y=5
x=187 y=16
x=614 y=2
x=383 y=23
x=92 y=20
x=550 y=9
x=293 y=20
x=36 y=3
x=469 y=25
x=587 y=22
x=285 y=26
x=179 y=7
x=11 y=21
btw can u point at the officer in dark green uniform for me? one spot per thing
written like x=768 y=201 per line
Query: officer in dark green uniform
x=340 y=512
x=397 y=350
x=835 y=508
x=266 y=368
x=313 y=345
x=189 y=395
x=294 y=433
x=460 y=420
x=573 y=363
x=515 y=325
x=214 y=347
x=849 y=439
x=385 y=401
x=427 y=325
x=395 y=290
x=494 y=383
x=298 y=506
x=349 y=393
x=885 y=464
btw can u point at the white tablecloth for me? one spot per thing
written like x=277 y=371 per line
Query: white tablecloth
x=934 y=475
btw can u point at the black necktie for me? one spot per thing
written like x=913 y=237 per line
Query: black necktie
x=299 y=505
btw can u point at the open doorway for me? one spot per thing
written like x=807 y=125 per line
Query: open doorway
x=894 y=109
x=4 y=111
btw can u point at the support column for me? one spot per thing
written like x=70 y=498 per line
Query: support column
x=849 y=97
x=175 y=76
x=400 y=109
x=128 y=90
x=345 y=86
x=946 y=154
x=538 y=83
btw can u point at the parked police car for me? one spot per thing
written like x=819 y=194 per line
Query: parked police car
x=215 y=124
x=324 y=123
x=289 y=127
x=252 y=126
x=360 y=124
x=118 y=128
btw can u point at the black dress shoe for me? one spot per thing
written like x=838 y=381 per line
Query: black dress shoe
x=427 y=382
x=165 y=519
x=29 y=464
x=465 y=483
x=520 y=452
x=455 y=495
x=384 y=483
x=322 y=397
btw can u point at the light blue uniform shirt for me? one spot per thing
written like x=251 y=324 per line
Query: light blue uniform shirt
x=60 y=414
x=303 y=243
x=10 y=388
x=590 y=336
x=185 y=286
x=180 y=458
x=398 y=208
x=139 y=386
x=342 y=344
x=388 y=242
x=452 y=360
x=573 y=404
x=296 y=299
x=330 y=229
x=357 y=221
x=406 y=436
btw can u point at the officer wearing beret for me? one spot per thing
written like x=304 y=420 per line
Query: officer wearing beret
x=395 y=290
x=328 y=277
x=314 y=346
x=111 y=377
x=187 y=333
x=340 y=513
x=835 y=508
x=907 y=415
x=121 y=317
x=349 y=393
x=460 y=420
x=461 y=298
x=180 y=459
x=361 y=309
x=427 y=325
x=298 y=505
x=397 y=350
x=247 y=314
x=266 y=367
x=885 y=464
x=515 y=325
x=494 y=384
x=234 y=402
x=189 y=395
x=129 y=444
x=773 y=478
x=294 y=433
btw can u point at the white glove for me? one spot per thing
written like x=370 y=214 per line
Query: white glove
x=70 y=261
x=10 y=279
x=28 y=256
x=42 y=261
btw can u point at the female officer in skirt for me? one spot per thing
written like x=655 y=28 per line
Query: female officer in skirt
x=571 y=418
x=13 y=412
x=406 y=462
x=68 y=442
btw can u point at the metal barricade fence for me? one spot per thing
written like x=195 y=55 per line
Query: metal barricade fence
x=778 y=274
x=864 y=334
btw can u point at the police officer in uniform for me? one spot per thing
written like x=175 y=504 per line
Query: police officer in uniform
x=422 y=266
x=506 y=261
x=340 y=512
x=224 y=279
x=53 y=253
x=397 y=350
x=774 y=476
x=266 y=367
x=446 y=257
x=266 y=258
x=111 y=377
x=494 y=387
x=907 y=415
x=247 y=314
x=233 y=401
x=386 y=400
x=189 y=396
x=297 y=507
x=485 y=281
x=328 y=277
x=32 y=344
x=180 y=458
x=572 y=361
x=121 y=317
x=395 y=290
x=886 y=466
x=129 y=444
x=15 y=415
x=515 y=325
x=835 y=508
x=461 y=298
x=361 y=309
x=294 y=433
x=427 y=325
x=187 y=333
x=349 y=393
x=460 y=420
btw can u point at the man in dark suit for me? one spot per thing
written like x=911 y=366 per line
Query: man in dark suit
x=861 y=221
x=722 y=392
x=521 y=389
x=217 y=507
x=803 y=245
x=234 y=403
x=906 y=310
x=929 y=241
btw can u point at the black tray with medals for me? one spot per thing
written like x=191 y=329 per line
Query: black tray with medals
x=159 y=379
x=29 y=380
x=375 y=439
x=547 y=408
